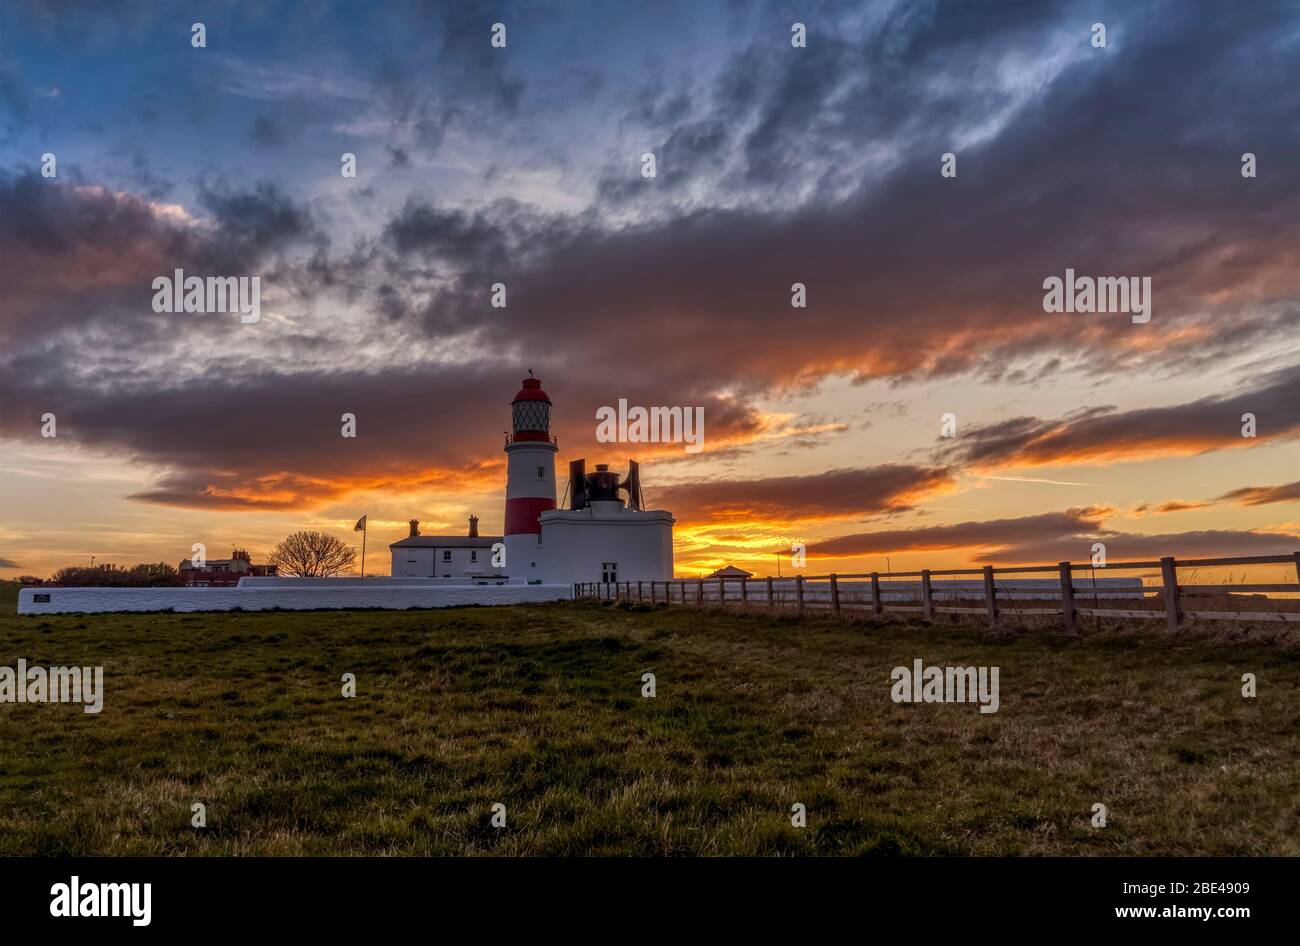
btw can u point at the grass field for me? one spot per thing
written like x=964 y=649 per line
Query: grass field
x=540 y=708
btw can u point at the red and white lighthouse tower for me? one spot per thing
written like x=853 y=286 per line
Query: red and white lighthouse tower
x=530 y=477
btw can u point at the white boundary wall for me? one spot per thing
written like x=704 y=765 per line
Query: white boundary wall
x=390 y=596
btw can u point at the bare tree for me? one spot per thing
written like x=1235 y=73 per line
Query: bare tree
x=312 y=555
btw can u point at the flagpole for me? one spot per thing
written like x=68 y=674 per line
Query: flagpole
x=364 y=529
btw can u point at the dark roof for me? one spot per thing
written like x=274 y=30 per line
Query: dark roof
x=731 y=571
x=446 y=542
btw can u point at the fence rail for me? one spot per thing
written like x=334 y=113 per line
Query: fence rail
x=867 y=592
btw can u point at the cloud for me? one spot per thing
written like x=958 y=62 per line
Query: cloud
x=783 y=167
x=1107 y=435
x=986 y=535
x=1260 y=495
x=1054 y=537
x=1209 y=543
x=1180 y=505
x=8 y=563
x=835 y=494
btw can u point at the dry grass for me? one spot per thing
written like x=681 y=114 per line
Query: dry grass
x=539 y=707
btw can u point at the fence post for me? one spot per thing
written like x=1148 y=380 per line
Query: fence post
x=877 y=608
x=699 y=593
x=990 y=596
x=927 y=597
x=1067 y=597
x=771 y=602
x=722 y=591
x=1297 y=567
x=1169 y=576
x=835 y=593
x=744 y=591
x=798 y=590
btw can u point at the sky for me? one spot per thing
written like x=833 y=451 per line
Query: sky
x=774 y=165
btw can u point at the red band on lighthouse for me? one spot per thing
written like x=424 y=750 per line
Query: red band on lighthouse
x=522 y=513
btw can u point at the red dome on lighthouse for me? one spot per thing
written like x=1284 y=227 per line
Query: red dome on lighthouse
x=532 y=391
x=530 y=413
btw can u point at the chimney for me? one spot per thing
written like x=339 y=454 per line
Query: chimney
x=415 y=527
x=473 y=527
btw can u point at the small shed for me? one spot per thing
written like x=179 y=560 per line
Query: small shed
x=731 y=571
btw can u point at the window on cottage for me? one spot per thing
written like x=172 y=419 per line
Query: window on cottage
x=473 y=556
x=446 y=555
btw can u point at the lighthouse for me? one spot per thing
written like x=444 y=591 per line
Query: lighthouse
x=599 y=536
x=530 y=478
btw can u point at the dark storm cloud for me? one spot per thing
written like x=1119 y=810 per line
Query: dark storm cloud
x=1105 y=434
x=465 y=239
x=835 y=494
x=263 y=218
x=81 y=255
x=274 y=441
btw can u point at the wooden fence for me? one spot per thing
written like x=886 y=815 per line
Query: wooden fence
x=830 y=593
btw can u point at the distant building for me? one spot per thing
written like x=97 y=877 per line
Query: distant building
x=731 y=571
x=223 y=572
x=445 y=556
